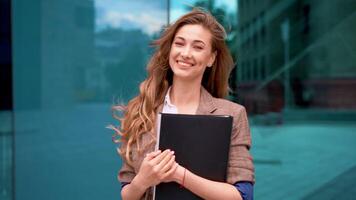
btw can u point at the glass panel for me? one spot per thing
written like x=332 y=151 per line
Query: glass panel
x=72 y=61
x=6 y=105
x=6 y=155
x=303 y=110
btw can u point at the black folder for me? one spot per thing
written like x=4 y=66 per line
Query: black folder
x=201 y=144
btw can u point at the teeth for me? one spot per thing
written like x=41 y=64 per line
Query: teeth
x=184 y=64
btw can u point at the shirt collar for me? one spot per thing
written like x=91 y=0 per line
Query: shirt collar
x=206 y=105
x=167 y=99
x=168 y=107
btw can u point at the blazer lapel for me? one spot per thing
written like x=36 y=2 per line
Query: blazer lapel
x=206 y=103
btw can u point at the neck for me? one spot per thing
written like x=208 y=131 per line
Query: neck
x=185 y=94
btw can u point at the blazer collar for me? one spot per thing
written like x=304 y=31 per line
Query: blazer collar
x=206 y=103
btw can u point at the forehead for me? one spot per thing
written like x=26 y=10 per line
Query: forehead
x=194 y=32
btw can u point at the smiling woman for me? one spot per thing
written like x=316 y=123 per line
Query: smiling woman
x=187 y=74
x=191 y=53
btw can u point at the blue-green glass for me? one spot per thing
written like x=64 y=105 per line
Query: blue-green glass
x=297 y=76
x=6 y=161
x=72 y=61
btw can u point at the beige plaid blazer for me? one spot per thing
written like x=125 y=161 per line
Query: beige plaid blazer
x=240 y=166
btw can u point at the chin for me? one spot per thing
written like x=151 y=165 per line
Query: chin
x=182 y=75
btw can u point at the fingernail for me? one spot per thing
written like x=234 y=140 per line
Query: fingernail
x=172 y=152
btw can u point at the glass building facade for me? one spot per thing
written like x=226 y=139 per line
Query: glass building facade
x=63 y=64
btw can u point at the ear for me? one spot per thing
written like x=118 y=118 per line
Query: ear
x=212 y=59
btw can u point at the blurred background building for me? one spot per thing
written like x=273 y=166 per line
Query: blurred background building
x=314 y=66
x=63 y=64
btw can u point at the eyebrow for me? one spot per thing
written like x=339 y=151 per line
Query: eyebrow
x=194 y=41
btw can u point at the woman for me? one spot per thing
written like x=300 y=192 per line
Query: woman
x=188 y=74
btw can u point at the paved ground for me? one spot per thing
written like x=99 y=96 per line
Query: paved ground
x=302 y=161
x=68 y=154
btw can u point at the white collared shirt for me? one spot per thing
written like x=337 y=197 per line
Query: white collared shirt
x=168 y=107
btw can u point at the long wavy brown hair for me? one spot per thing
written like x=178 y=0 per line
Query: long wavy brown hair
x=139 y=116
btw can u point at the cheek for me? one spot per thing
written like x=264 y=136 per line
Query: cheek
x=171 y=59
x=172 y=55
x=204 y=59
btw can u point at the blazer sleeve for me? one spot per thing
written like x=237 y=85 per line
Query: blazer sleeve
x=240 y=166
x=127 y=172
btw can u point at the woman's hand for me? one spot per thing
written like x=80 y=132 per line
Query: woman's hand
x=157 y=167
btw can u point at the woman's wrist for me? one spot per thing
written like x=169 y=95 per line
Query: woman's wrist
x=180 y=175
x=139 y=184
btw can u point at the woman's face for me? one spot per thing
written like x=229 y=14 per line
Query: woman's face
x=191 y=52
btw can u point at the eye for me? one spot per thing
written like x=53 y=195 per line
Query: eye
x=179 y=43
x=198 y=47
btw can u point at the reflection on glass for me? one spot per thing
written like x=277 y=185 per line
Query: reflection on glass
x=72 y=61
x=6 y=105
x=123 y=31
x=6 y=158
x=297 y=77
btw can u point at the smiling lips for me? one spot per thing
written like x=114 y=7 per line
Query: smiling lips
x=184 y=63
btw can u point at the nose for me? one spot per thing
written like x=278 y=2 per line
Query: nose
x=186 y=52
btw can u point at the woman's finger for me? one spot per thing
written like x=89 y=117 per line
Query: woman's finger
x=165 y=160
x=171 y=171
x=156 y=160
x=152 y=154
x=169 y=164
